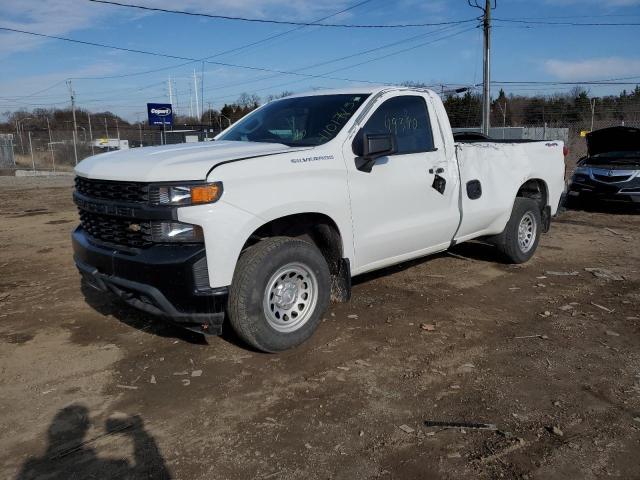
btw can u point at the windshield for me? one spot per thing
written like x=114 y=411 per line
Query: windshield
x=299 y=121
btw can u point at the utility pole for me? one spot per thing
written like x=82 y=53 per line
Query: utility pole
x=593 y=112
x=170 y=93
x=20 y=130
x=176 y=99
x=195 y=87
x=486 y=69
x=202 y=89
x=19 y=135
x=190 y=104
x=90 y=134
x=504 y=116
x=33 y=162
x=53 y=158
x=75 y=127
x=118 y=133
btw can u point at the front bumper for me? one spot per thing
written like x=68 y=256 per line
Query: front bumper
x=589 y=189
x=166 y=280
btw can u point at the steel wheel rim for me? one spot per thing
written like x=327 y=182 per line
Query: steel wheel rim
x=290 y=297
x=527 y=232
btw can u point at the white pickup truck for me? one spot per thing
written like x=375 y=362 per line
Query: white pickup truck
x=268 y=223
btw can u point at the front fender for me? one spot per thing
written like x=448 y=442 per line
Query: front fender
x=227 y=228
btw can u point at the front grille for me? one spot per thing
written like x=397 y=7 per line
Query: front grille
x=614 y=179
x=116 y=230
x=125 y=192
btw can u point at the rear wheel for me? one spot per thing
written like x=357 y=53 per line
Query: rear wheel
x=519 y=240
x=280 y=290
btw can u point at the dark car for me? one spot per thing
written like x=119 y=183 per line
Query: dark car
x=611 y=169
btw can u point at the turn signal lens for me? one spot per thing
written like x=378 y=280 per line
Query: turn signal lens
x=184 y=195
x=206 y=193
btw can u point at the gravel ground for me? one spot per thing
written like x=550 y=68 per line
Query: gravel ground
x=548 y=352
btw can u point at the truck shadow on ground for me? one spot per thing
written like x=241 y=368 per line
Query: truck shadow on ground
x=71 y=455
x=109 y=305
x=470 y=251
x=611 y=208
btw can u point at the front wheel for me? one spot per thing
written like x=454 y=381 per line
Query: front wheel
x=519 y=240
x=280 y=290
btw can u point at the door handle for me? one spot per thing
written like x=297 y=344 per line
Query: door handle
x=438 y=170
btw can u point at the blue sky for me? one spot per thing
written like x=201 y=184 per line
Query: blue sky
x=543 y=53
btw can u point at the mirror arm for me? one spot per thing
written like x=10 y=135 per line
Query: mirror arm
x=365 y=164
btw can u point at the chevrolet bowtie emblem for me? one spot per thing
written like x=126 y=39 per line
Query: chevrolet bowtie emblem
x=134 y=227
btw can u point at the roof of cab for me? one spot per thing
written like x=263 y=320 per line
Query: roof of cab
x=368 y=90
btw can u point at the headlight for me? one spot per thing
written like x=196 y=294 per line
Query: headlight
x=182 y=195
x=176 y=232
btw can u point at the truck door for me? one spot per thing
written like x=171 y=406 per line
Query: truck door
x=407 y=205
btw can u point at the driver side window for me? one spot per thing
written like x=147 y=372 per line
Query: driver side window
x=407 y=118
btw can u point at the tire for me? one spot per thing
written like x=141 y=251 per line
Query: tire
x=519 y=246
x=280 y=290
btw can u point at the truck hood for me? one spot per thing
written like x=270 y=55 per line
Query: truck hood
x=172 y=162
x=613 y=139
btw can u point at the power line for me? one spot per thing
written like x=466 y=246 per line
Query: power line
x=346 y=57
x=279 y=73
x=358 y=64
x=40 y=91
x=170 y=67
x=325 y=75
x=232 y=50
x=569 y=24
x=177 y=57
x=555 y=17
x=586 y=82
x=277 y=22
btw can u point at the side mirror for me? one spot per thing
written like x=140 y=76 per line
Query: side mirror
x=371 y=147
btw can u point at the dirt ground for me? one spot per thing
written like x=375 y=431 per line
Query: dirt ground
x=90 y=388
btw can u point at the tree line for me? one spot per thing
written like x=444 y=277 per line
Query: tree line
x=559 y=109
x=576 y=106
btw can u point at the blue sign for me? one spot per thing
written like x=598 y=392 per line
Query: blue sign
x=160 y=113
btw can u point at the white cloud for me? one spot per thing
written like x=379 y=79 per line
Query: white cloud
x=53 y=17
x=592 y=68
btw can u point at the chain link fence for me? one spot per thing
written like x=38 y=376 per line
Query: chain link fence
x=7 y=160
x=53 y=150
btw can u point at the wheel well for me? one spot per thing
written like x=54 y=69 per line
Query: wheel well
x=316 y=228
x=535 y=189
